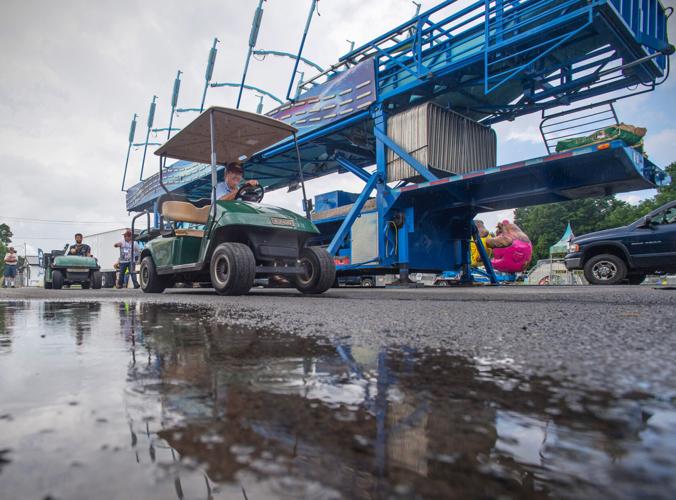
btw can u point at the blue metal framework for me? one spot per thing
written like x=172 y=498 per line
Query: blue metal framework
x=491 y=60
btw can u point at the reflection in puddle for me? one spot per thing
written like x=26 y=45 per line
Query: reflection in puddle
x=158 y=401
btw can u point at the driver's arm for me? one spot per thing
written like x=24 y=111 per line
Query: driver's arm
x=233 y=194
x=228 y=197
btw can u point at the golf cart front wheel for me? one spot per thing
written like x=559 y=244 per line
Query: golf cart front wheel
x=57 y=280
x=232 y=269
x=151 y=282
x=319 y=271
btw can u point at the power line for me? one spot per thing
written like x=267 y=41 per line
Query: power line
x=26 y=238
x=52 y=221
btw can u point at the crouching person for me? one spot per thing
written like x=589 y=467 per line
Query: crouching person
x=512 y=249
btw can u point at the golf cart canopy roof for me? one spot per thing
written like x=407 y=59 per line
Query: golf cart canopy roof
x=238 y=135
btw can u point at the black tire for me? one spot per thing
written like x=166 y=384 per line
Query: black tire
x=57 y=280
x=367 y=283
x=636 y=279
x=232 y=269
x=96 y=280
x=85 y=285
x=320 y=271
x=107 y=280
x=151 y=282
x=605 y=269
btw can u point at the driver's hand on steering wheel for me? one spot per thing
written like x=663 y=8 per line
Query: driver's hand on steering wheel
x=252 y=182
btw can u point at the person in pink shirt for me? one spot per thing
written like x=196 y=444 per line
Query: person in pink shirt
x=512 y=250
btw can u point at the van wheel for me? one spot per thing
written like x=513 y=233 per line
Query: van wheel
x=319 y=271
x=232 y=269
x=151 y=282
x=57 y=280
x=605 y=269
x=96 y=280
x=636 y=279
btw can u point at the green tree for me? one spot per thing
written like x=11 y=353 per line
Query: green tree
x=5 y=234
x=545 y=224
x=5 y=240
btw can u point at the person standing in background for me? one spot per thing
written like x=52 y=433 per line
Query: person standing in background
x=9 y=274
x=126 y=263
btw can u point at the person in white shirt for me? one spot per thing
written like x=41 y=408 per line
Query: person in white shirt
x=125 y=262
x=232 y=178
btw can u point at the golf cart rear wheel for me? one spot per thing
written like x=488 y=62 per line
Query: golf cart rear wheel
x=232 y=269
x=319 y=271
x=151 y=282
x=96 y=280
x=57 y=280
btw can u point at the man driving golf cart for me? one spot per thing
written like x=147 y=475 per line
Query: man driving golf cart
x=234 y=239
x=79 y=248
x=232 y=178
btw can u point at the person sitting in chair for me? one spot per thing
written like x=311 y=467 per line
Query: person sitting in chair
x=80 y=249
x=232 y=178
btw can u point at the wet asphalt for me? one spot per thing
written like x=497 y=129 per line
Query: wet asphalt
x=617 y=339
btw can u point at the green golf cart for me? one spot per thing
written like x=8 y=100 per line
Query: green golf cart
x=65 y=270
x=230 y=243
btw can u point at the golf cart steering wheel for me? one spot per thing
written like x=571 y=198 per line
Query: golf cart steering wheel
x=250 y=193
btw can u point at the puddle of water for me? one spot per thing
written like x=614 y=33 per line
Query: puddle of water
x=158 y=401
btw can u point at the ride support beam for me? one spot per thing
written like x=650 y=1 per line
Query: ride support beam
x=352 y=215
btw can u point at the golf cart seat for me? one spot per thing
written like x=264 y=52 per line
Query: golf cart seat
x=182 y=211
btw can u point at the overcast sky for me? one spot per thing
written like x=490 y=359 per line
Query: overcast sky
x=75 y=71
